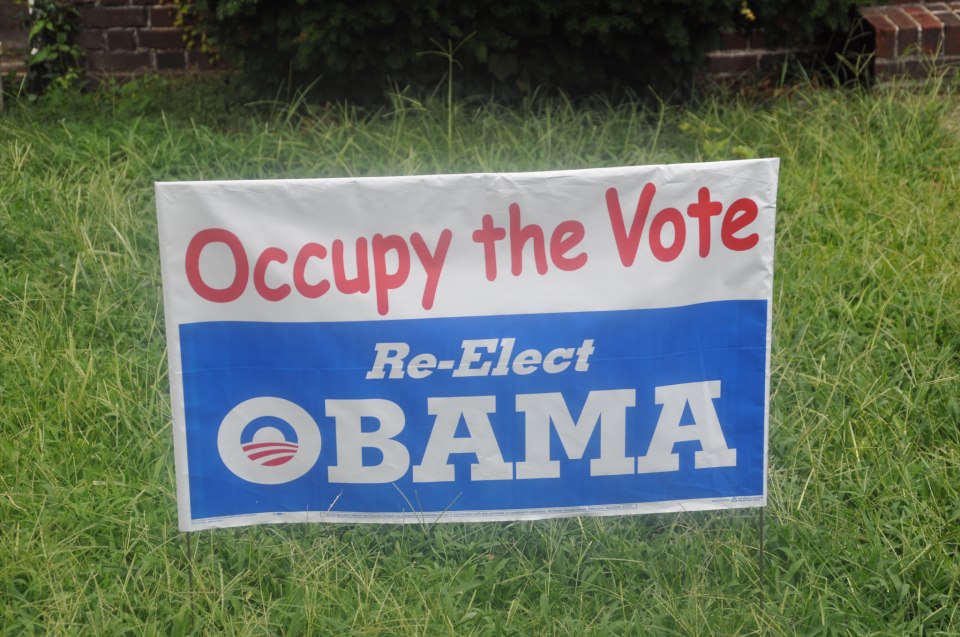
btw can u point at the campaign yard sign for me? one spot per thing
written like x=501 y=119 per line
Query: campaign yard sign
x=469 y=347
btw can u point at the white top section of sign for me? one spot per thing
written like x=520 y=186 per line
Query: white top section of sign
x=290 y=214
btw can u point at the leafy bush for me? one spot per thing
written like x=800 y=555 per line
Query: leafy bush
x=801 y=21
x=509 y=47
x=54 y=60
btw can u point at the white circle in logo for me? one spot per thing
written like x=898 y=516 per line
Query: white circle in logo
x=269 y=458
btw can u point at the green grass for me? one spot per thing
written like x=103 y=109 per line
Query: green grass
x=863 y=527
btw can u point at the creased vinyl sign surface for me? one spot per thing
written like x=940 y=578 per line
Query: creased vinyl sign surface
x=469 y=347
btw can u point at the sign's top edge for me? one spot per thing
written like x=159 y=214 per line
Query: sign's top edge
x=521 y=174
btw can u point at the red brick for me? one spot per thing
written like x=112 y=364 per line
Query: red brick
x=914 y=67
x=161 y=38
x=937 y=6
x=90 y=39
x=908 y=33
x=121 y=39
x=770 y=61
x=940 y=14
x=722 y=63
x=886 y=38
x=733 y=40
x=885 y=69
x=931 y=30
x=113 y=3
x=758 y=41
x=951 y=33
x=171 y=60
x=118 y=61
x=162 y=16
x=202 y=61
x=112 y=16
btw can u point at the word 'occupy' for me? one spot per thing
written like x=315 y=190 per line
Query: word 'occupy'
x=384 y=263
x=385 y=250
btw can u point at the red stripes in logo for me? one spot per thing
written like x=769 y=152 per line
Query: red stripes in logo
x=271 y=454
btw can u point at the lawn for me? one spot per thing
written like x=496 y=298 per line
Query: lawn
x=863 y=526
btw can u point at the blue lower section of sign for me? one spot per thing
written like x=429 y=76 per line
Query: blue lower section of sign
x=307 y=364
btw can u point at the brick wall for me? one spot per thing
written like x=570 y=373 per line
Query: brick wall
x=13 y=38
x=745 y=54
x=133 y=37
x=912 y=37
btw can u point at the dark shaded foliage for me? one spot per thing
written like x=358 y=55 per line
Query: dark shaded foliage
x=509 y=48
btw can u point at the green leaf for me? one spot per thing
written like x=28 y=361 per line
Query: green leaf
x=41 y=56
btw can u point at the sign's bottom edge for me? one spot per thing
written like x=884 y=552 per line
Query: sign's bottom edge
x=504 y=515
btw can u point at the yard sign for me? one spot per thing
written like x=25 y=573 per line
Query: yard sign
x=469 y=347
